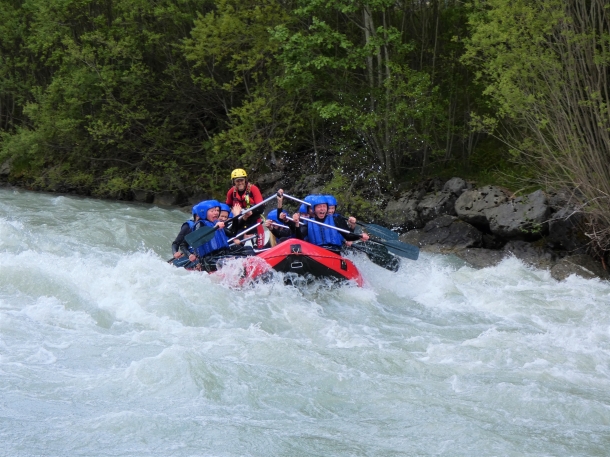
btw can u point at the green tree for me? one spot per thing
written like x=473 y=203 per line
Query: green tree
x=546 y=65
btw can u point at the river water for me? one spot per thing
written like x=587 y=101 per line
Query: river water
x=106 y=350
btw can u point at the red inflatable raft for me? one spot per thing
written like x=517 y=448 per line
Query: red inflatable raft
x=306 y=259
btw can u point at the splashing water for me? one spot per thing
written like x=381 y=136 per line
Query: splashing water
x=105 y=349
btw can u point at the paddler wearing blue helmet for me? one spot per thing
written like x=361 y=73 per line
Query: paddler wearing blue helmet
x=180 y=247
x=225 y=212
x=339 y=219
x=332 y=204
x=325 y=237
x=208 y=212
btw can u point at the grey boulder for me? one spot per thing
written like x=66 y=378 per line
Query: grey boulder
x=472 y=205
x=525 y=217
x=580 y=265
x=403 y=213
x=436 y=204
x=448 y=233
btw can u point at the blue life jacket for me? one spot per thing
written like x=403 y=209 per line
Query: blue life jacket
x=219 y=241
x=319 y=235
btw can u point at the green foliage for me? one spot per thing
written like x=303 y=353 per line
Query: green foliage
x=111 y=96
x=546 y=66
x=113 y=185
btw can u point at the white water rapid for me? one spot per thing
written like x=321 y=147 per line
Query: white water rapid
x=107 y=350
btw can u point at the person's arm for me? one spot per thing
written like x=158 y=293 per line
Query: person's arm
x=280 y=232
x=300 y=227
x=180 y=245
x=349 y=224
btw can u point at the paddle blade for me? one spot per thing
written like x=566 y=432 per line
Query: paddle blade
x=200 y=236
x=379 y=231
x=402 y=249
x=378 y=254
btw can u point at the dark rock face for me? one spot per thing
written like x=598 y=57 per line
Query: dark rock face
x=310 y=184
x=403 y=213
x=530 y=254
x=143 y=196
x=579 y=264
x=269 y=178
x=525 y=217
x=472 y=205
x=5 y=169
x=564 y=198
x=427 y=201
x=450 y=233
x=491 y=241
x=436 y=204
x=456 y=186
x=481 y=258
x=412 y=237
x=167 y=199
x=199 y=197
x=566 y=231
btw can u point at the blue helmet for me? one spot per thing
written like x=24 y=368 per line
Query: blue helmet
x=331 y=200
x=225 y=207
x=273 y=215
x=308 y=198
x=205 y=206
x=318 y=200
x=195 y=207
x=303 y=209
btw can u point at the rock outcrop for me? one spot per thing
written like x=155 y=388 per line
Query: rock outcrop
x=566 y=231
x=5 y=169
x=436 y=204
x=472 y=205
x=402 y=213
x=450 y=233
x=580 y=265
x=524 y=217
x=488 y=224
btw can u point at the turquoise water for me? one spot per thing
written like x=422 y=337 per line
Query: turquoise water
x=106 y=350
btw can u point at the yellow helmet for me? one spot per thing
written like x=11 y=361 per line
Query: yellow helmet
x=238 y=173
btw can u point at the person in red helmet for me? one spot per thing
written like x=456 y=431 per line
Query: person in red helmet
x=241 y=196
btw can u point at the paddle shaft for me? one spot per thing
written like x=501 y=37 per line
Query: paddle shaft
x=244 y=211
x=245 y=231
x=280 y=225
x=296 y=199
x=329 y=226
x=253 y=237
